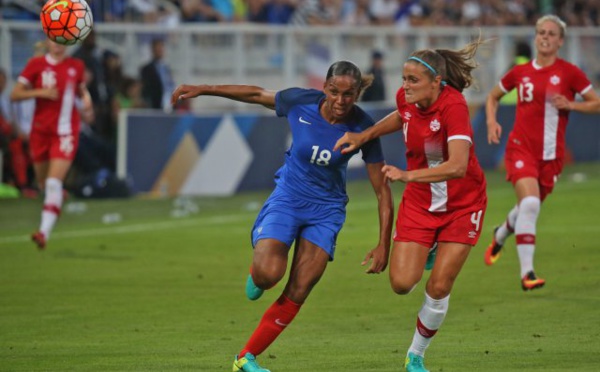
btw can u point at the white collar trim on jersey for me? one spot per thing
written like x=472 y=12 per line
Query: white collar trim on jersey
x=535 y=65
x=51 y=60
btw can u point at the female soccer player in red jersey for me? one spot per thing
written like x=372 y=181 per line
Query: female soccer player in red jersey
x=445 y=199
x=535 y=149
x=55 y=81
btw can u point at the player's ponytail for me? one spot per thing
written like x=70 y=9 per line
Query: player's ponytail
x=454 y=66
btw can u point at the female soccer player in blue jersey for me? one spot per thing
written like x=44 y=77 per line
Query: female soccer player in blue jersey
x=308 y=205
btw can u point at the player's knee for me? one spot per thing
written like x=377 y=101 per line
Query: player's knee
x=402 y=285
x=266 y=276
x=439 y=288
x=530 y=205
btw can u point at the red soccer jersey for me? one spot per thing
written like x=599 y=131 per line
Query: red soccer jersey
x=426 y=134
x=55 y=116
x=538 y=125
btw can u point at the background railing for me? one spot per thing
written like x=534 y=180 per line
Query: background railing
x=278 y=57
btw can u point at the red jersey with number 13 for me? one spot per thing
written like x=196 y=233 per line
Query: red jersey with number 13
x=538 y=125
x=426 y=134
x=58 y=116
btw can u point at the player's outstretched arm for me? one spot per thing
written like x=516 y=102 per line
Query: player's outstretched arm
x=242 y=93
x=494 y=128
x=352 y=141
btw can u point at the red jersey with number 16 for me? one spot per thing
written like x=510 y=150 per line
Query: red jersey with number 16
x=426 y=134
x=539 y=126
x=58 y=116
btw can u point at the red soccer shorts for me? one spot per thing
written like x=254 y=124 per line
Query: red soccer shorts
x=415 y=224
x=44 y=146
x=520 y=163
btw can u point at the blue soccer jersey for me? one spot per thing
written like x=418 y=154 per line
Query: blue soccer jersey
x=312 y=170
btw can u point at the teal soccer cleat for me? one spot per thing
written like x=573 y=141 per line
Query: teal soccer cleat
x=252 y=291
x=431 y=257
x=414 y=363
x=247 y=364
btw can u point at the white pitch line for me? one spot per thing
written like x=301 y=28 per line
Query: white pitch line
x=151 y=226
x=128 y=229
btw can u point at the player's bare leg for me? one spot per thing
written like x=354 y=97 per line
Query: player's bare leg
x=528 y=194
x=407 y=263
x=50 y=176
x=269 y=264
x=308 y=265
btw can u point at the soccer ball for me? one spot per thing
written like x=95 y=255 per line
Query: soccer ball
x=66 y=22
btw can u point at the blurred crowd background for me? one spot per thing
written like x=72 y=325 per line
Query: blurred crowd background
x=402 y=13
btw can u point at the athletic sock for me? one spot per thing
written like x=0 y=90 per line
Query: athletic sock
x=277 y=317
x=52 y=205
x=429 y=320
x=529 y=210
x=508 y=227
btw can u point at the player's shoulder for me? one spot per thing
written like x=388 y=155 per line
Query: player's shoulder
x=565 y=65
x=74 y=61
x=300 y=96
x=361 y=118
x=452 y=97
x=37 y=61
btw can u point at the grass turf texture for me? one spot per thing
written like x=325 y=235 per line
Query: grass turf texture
x=158 y=293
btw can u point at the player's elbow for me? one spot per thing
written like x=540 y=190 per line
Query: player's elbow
x=457 y=171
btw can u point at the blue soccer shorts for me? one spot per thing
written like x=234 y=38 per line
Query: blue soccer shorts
x=287 y=218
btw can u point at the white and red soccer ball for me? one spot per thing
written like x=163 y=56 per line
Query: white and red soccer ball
x=66 y=22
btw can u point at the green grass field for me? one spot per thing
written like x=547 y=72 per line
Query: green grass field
x=163 y=290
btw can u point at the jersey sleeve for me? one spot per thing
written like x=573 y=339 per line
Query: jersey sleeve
x=372 y=151
x=508 y=81
x=580 y=82
x=29 y=73
x=288 y=98
x=283 y=102
x=456 y=117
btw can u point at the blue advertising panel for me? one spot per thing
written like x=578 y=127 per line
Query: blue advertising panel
x=187 y=154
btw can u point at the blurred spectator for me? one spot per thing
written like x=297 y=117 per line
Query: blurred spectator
x=92 y=56
x=199 y=11
x=14 y=145
x=113 y=71
x=129 y=95
x=316 y=12
x=409 y=14
x=156 y=78
x=383 y=11
x=112 y=65
x=276 y=12
x=6 y=131
x=165 y=13
x=357 y=13
x=108 y=10
x=97 y=84
x=376 y=92
x=224 y=8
